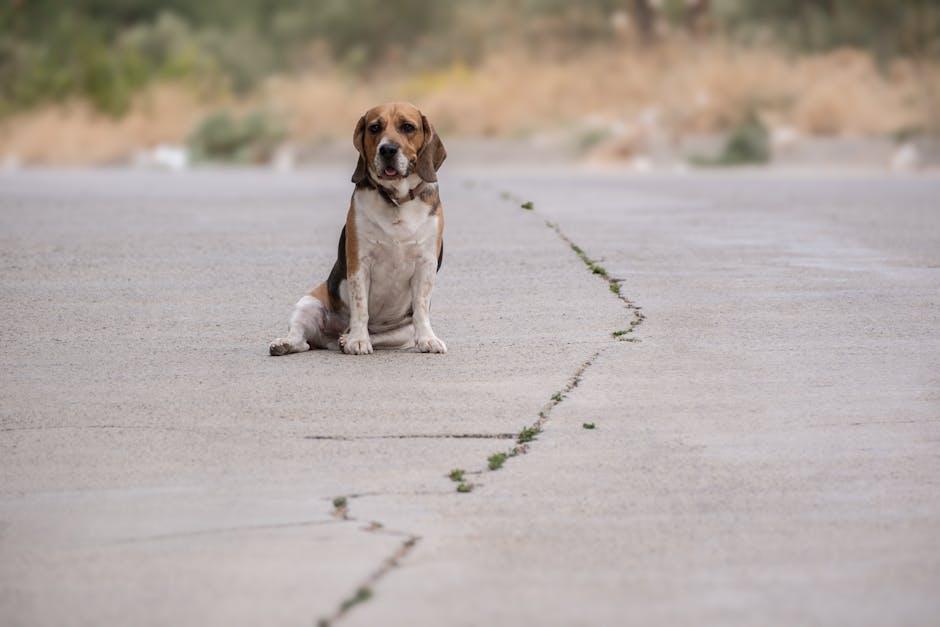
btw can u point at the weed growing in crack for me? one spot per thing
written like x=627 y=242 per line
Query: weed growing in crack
x=528 y=434
x=598 y=269
x=496 y=460
x=362 y=595
x=364 y=592
x=592 y=265
x=339 y=502
x=612 y=283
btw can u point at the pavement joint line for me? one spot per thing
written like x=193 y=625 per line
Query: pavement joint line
x=416 y=436
x=52 y=427
x=220 y=530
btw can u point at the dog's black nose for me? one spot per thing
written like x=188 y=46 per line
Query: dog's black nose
x=388 y=150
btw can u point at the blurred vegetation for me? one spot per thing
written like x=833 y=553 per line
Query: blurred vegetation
x=106 y=50
x=748 y=143
x=886 y=28
x=226 y=138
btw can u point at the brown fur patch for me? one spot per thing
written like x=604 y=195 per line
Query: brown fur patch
x=322 y=294
x=352 y=242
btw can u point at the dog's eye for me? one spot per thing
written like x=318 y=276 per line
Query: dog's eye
x=408 y=127
x=375 y=128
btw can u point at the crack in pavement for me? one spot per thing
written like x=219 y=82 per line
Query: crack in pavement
x=529 y=433
x=626 y=334
x=363 y=591
x=636 y=312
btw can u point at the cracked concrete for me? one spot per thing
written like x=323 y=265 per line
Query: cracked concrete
x=767 y=453
x=364 y=589
x=727 y=480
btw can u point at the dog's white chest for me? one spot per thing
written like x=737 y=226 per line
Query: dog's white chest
x=391 y=240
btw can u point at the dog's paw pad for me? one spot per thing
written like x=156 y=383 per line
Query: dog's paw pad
x=279 y=347
x=431 y=345
x=283 y=347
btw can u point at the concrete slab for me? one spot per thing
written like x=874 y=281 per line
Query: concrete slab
x=142 y=418
x=767 y=452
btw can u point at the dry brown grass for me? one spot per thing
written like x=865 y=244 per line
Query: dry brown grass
x=75 y=134
x=682 y=87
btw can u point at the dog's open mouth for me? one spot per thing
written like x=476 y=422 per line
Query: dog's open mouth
x=390 y=173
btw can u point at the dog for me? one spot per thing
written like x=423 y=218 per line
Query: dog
x=378 y=294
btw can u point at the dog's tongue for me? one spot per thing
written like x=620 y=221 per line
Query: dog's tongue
x=390 y=171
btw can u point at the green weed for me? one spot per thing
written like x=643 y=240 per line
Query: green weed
x=496 y=460
x=528 y=434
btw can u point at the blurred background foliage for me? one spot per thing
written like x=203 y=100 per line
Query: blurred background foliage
x=106 y=50
x=100 y=81
x=225 y=137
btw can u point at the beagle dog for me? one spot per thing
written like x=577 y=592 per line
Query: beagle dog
x=378 y=294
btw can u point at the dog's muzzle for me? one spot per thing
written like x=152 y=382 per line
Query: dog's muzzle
x=389 y=161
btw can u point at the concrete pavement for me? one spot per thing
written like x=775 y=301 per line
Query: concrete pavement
x=766 y=453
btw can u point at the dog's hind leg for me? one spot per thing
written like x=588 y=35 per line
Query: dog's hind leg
x=306 y=328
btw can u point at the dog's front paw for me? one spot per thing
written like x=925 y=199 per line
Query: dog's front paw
x=355 y=346
x=431 y=344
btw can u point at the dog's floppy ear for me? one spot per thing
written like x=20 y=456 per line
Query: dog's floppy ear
x=431 y=155
x=359 y=142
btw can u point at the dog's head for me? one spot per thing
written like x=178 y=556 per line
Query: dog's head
x=395 y=140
